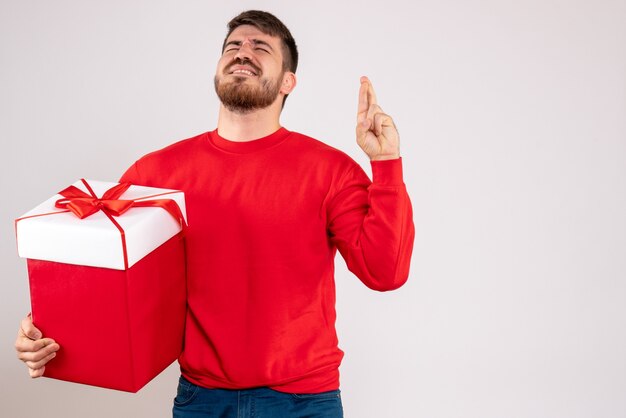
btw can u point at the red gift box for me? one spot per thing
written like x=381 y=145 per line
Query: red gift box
x=117 y=328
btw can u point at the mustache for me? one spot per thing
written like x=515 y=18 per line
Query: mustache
x=244 y=61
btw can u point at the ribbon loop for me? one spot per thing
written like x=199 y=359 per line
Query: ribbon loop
x=84 y=204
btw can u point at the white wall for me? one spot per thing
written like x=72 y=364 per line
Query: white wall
x=513 y=122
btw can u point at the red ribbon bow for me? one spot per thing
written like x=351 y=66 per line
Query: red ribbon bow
x=84 y=204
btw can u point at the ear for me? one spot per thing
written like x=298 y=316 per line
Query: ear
x=289 y=83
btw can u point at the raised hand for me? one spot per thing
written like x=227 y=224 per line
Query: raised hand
x=376 y=133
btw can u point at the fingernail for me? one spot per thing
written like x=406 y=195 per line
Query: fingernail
x=37 y=335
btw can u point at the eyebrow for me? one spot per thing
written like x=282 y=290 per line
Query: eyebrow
x=254 y=41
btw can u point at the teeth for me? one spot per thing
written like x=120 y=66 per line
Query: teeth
x=243 y=72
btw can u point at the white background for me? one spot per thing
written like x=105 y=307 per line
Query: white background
x=513 y=124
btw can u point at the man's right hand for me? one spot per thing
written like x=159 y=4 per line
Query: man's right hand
x=32 y=349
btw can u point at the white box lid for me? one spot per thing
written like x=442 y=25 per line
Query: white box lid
x=52 y=234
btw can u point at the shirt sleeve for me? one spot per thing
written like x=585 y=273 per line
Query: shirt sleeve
x=131 y=176
x=371 y=223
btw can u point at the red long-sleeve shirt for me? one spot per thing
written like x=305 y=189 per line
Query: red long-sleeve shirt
x=265 y=220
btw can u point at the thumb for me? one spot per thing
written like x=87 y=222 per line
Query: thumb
x=29 y=329
x=363 y=126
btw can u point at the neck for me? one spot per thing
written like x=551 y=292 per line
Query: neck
x=249 y=126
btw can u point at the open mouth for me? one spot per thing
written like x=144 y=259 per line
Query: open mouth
x=243 y=72
x=243 y=69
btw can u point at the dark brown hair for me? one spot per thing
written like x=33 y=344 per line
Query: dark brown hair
x=269 y=25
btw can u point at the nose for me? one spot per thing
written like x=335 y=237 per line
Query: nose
x=245 y=50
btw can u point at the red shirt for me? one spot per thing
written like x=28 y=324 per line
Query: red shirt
x=265 y=220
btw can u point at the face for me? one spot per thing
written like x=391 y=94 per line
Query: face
x=250 y=73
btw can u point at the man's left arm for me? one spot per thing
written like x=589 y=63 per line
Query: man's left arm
x=372 y=223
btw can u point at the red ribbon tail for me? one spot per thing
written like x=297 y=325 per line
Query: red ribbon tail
x=169 y=205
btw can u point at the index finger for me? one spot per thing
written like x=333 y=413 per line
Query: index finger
x=371 y=95
x=363 y=101
x=25 y=345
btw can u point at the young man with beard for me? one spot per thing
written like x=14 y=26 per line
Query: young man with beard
x=267 y=211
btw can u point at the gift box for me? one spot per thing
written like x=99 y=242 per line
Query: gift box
x=106 y=266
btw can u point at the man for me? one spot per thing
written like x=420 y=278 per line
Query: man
x=267 y=210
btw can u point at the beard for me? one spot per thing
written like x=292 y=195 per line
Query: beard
x=239 y=97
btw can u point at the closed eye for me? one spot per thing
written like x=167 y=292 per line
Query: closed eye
x=259 y=45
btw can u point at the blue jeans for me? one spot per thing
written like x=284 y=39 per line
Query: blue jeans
x=197 y=402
